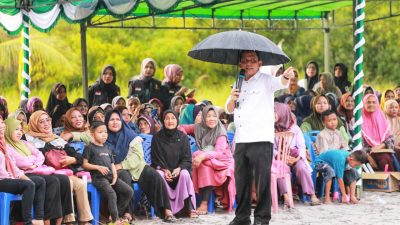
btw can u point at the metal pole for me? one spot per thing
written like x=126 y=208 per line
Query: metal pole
x=26 y=53
x=326 y=43
x=84 y=61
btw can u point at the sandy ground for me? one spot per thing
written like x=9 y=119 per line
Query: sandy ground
x=374 y=208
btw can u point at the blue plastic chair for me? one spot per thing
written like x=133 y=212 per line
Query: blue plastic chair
x=192 y=142
x=79 y=146
x=310 y=137
x=146 y=147
x=95 y=199
x=5 y=201
x=231 y=136
x=138 y=193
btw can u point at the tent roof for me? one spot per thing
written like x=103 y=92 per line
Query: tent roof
x=44 y=14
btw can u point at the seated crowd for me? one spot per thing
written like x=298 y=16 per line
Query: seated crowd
x=39 y=157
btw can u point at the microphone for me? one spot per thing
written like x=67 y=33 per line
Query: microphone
x=239 y=82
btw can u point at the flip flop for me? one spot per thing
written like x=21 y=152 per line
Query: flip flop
x=201 y=212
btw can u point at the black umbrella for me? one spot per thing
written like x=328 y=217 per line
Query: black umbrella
x=225 y=48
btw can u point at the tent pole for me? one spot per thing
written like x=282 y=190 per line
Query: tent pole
x=326 y=43
x=84 y=61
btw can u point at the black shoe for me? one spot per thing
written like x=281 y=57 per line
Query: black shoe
x=260 y=221
x=236 y=221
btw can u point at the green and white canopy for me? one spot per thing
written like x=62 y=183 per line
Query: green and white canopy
x=44 y=14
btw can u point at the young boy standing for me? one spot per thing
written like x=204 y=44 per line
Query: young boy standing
x=340 y=164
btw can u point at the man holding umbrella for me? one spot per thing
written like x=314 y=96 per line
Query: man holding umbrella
x=254 y=114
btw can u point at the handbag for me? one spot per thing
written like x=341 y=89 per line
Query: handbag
x=53 y=158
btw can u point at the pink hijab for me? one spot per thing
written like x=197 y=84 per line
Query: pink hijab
x=374 y=129
x=170 y=71
x=285 y=120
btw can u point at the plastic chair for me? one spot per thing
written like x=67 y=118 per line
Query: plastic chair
x=79 y=146
x=310 y=137
x=138 y=193
x=95 y=199
x=192 y=142
x=283 y=146
x=231 y=136
x=146 y=147
x=5 y=201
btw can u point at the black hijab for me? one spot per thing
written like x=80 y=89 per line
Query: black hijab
x=56 y=108
x=170 y=148
x=119 y=141
x=342 y=82
x=111 y=89
x=311 y=81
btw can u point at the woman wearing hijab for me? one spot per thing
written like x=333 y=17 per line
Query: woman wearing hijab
x=119 y=138
x=376 y=133
x=118 y=101
x=176 y=103
x=320 y=104
x=341 y=78
x=134 y=108
x=387 y=95
x=303 y=108
x=391 y=110
x=41 y=135
x=105 y=88
x=157 y=104
x=75 y=128
x=345 y=112
x=173 y=75
x=191 y=114
x=213 y=166
x=57 y=104
x=95 y=113
x=327 y=85
x=13 y=180
x=34 y=104
x=310 y=80
x=145 y=86
x=146 y=125
x=3 y=108
x=297 y=159
x=82 y=105
x=171 y=156
x=30 y=160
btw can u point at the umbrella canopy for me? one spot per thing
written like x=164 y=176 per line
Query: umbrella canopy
x=225 y=48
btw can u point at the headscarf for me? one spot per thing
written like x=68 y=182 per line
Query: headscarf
x=22 y=104
x=382 y=102
x=115 y=100
x=374 y=128
x=92 y=112
x=4 y=105
x=119 y=141
x=303 y=107
x=68 y=122
x=15 y=115
x=342 y=111
x=150 y=121
x=170 y=71
x=342 y=82
x=169 y=132
x=206 y=136
x=285 y=119
x=134 y=99
x=56 y=108
x=105 y=105
x=19 y=146
x=159 y=103
x=173 y=101
x=7 y=160
x=143 y=66
x=34 y=127
x=31 y=103
x=78 y=101
x=315 y=119
x=311 y=81
x=394 y=122
x=330 y=85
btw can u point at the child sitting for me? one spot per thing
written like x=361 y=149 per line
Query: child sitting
x=99 y=161
x=340 y=164
x=330 y=137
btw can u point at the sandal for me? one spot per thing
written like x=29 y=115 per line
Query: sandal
x=193 y=214
x=201 y=212
x=314 y=203
x=170 y=219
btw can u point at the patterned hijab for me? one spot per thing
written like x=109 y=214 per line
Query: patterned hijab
x=374 y=128
x=11 y=125
x=206 y=136
x=34 y=127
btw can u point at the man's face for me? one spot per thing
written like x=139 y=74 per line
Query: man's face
x=250 y=63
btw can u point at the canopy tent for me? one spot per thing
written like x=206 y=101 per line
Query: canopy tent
x=43 y=15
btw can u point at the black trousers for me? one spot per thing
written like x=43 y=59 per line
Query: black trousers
x=253 y=163
x=27 y=189
x=126 y=177
x=118 y=196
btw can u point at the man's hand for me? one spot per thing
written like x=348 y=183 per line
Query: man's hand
x=235 y=94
